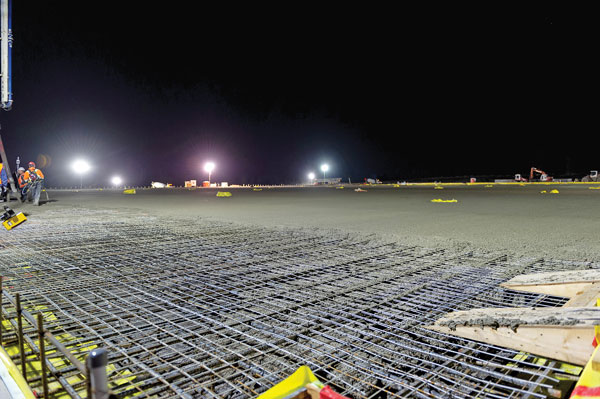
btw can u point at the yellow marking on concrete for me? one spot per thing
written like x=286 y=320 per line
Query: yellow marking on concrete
x=443 y=201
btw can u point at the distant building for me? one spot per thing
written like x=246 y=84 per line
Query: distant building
x=330 y=180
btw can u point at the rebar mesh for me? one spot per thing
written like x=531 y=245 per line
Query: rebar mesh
x=201 y=309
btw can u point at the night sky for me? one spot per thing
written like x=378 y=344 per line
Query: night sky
x=269 y=93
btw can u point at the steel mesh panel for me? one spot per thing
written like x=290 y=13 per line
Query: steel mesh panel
x=201 y=309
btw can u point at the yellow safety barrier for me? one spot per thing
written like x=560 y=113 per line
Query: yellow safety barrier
x=130 y=191
x=293 y=385
x=223 y=194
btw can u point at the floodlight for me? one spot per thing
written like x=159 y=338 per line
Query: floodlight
x=80 y=166
x=209 y=167
x=324 y=169
x=311 y=176
x=116 y=180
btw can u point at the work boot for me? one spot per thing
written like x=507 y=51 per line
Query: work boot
x=36 y=202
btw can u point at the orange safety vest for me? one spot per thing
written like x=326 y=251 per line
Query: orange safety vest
x=21 y=180
x=30 y=171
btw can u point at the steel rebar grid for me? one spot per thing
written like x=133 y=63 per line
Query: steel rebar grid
x=199 y=309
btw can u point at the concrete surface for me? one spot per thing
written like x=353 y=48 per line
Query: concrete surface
x=514 y=219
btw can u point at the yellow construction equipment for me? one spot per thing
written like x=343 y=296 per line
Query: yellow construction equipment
x=10 y=219
x=292 y=386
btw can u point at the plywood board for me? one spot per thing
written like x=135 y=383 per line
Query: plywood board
x=565 y=284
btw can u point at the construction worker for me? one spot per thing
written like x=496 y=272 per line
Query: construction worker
x=3 y=183
x=35 y=180
x=22 y=183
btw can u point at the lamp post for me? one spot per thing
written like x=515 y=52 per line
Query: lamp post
x=311 y=177
x=209 y=167
x=324 y=169
x=116 y=181
x=81 y=167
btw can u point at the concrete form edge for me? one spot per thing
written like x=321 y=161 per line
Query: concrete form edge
x=12 y=378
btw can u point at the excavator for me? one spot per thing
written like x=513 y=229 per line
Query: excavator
x=534 y=172
x=543 y=175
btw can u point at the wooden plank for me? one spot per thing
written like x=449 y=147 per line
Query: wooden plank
x=584 y=298
x=565 y=284
x=564 y=334
x=506 y=317
x=567 y=344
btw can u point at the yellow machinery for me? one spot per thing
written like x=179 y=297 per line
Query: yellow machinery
x=10 y=219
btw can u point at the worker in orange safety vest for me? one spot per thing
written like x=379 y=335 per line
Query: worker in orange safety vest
x=35 y=180
x=22 y=183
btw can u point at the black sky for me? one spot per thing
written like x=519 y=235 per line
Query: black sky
x=270 y=92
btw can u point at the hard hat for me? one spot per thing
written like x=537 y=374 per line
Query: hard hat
x=21 y=168
x=31 y=164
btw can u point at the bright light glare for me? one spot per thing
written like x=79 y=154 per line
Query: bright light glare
x=209 y=166
x=311 y=176
x=324 y=167
x=81 y=166
x=116 y=180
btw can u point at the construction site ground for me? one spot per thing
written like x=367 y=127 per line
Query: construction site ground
x=517 y=219
x=200 y=296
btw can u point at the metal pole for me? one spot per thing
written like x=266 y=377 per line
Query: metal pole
x=6 y=43
x=42 y=347
x=4 y=161
x=96 y=364
x=20 y=336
